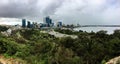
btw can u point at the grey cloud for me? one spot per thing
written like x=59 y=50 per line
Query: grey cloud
x=18 y=9
x=52 y=7
x=29 y=8
x=69 y=11
x=94 y=12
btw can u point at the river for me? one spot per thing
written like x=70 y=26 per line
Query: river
x=109 y=30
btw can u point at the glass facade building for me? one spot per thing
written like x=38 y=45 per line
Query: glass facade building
x=29 y=24
x=23 y=22
x=48 y=21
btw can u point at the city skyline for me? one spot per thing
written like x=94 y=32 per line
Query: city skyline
x=68 y=11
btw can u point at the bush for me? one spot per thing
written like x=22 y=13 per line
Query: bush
x=3 y=28
x=8 y=47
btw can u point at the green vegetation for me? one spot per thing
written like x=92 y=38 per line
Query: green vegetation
x=3 y=28
x=41 y=48
x=67 y=31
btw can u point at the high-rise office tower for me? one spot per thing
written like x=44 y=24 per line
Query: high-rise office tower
x=29 y=24
x=24 y=23
x=48 y=21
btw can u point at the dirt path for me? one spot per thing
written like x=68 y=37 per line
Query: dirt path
x=114 y=60
x=4 y=60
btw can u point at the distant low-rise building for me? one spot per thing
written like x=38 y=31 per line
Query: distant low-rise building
x=59 y=24
x=43 y=25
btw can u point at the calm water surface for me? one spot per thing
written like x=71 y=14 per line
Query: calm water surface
x=109 y=30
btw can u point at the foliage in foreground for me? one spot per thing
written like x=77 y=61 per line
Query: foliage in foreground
x=42 y=48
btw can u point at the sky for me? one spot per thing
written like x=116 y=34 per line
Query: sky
x=67 y=11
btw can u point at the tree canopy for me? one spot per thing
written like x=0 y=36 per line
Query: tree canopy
x=42 y=48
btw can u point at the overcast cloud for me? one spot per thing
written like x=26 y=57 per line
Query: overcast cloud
x=67 y=11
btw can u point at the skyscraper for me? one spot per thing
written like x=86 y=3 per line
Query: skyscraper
x=28 y=24
x=24 y=23
x=48 y=21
